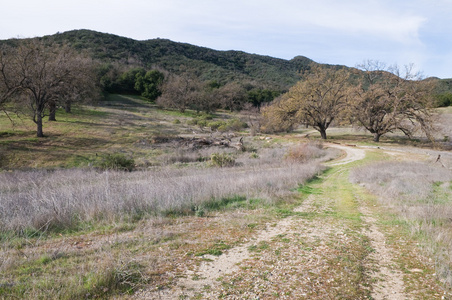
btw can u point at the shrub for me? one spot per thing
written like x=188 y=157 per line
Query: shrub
x=254 y=155
x=215 y=124
x=192 y=122
x=200 y=120
x=117 y=161
x=222 y=160
x=236 y=125
x=443 y=100
x=205 y=116
x=305 y=152
x=231 y=125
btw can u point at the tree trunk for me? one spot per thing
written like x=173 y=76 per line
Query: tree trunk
x=323 y=134
x=377 y=137
x=67 y=107
x=39 y=132
x=52 y=111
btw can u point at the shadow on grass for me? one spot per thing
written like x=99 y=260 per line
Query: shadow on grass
x=133 y=101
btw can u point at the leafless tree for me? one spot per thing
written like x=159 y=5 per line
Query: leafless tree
x=231 y=96
x=253 y=116
x=45 y=73
x=180 y=92
x=389 y=99
x=10 y=77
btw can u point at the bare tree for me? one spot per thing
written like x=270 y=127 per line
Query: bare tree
x=232 y=96
x=46 y=73
x=180 y=92
x=10 y=77
x=253 y=116
x=389 y=99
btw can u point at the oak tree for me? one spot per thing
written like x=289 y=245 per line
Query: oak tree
x=10 y=77
x=149 y=84
x=389 y=100
x=46 y=73
x=317 y=100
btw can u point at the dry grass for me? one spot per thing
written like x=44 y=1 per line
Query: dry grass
x=62 y=199
x=131 y=228
x=421 y=195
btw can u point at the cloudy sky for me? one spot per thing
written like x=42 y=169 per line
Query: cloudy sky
x=328 y=31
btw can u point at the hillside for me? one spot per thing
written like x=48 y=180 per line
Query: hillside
x=222 y=66
x=209 y=64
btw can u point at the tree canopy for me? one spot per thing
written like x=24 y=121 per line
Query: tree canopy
x=316 y=100
x=43 y=75
x=149 y=84
x=389 y=99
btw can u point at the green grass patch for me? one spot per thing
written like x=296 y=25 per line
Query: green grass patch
x=229 y=202
x=216 y=249
x=68 y=277
x=261 y=246
x=309 y=190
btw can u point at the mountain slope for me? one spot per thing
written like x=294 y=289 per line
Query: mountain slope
x=222 y=66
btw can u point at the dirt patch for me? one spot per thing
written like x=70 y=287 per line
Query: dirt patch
x=352 y=153
x=292 y=248
x=388 y=279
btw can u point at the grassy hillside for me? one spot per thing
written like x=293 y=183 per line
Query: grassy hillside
x=120 y=124
x=139 y=130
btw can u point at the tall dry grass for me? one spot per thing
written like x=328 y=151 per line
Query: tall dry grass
x=42 y=200
x=421 y=195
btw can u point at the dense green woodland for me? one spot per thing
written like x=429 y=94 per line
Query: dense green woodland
x=222 y=66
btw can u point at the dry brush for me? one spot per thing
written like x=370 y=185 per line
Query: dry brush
x=62 y=199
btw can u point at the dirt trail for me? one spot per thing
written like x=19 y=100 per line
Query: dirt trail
x=310 y=255
x=389 y=280
x=216 y=267
x=352 y=153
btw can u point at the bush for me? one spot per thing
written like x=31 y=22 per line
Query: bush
x=231 y=125
x=222 y=160
x=236 y=125
x=443 y=100
x=200 y=120
x=117 y=161
x=305 y=152
x=215 y=124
